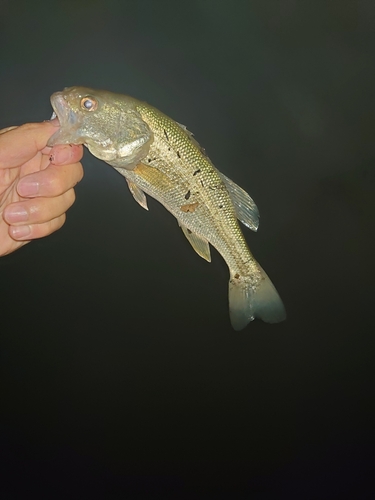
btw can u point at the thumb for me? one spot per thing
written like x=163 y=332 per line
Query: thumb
x=20 y=144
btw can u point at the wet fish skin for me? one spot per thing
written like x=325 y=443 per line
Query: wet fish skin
x=160 y=157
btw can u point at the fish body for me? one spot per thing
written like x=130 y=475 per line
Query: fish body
x=159 y=157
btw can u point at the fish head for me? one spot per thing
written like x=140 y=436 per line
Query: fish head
x=107 y=123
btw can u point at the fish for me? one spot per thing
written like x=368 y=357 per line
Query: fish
x=161 y=158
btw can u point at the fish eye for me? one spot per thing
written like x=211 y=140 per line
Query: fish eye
x=89 y=103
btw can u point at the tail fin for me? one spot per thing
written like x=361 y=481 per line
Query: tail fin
x=245 y=304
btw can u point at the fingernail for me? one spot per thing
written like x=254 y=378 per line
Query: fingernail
x=61 y=155
x=27 y=187
x=16 y=214
x=20 y=232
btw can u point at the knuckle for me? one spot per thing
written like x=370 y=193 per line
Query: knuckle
x=58 y=222
x=41 y=230
x=35 y=210
x=76 y=173
x=70 y=197
x=27 y=126
x=80 y=172
x=54 y=182
x=30 y=126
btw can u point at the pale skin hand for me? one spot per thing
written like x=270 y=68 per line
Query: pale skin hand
x=36 y=183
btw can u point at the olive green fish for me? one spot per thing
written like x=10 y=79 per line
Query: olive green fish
x=160 y=157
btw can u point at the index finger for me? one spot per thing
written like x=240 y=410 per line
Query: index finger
x=18 y=145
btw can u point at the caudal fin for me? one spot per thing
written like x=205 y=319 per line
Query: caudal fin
x=245 y=304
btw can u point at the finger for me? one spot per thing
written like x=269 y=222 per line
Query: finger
x=38 y=210
x=20 y=144
x=52 y=181
x=34 y=231
x=63 y=154
x=7 y=129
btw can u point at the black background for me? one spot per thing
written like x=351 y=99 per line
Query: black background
x=120 y=374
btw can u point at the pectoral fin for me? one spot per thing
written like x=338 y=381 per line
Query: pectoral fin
x=155 y=177
x=138 y=194
x=199 y=244
x=246 y=210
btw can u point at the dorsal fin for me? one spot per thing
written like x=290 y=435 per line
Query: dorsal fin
x=246 y=210
x=193 y=140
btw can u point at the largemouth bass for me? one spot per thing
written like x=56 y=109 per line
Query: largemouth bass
x=160 y=157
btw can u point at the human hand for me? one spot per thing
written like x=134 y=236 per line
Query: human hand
x=36 y=183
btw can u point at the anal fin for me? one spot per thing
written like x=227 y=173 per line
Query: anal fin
x=199 y=244
x=138 y=194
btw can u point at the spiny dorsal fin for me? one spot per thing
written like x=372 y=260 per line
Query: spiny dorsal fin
x=246 y=210
x=199 y=244
x=193 y=140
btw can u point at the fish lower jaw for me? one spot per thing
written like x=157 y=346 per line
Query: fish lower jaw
x=108 y=155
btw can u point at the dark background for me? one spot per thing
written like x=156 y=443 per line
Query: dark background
x=120 y=374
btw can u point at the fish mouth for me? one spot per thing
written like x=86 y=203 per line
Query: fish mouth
x=65 y=115
x=67 y=120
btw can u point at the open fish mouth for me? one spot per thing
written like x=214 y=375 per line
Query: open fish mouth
x=62 y=111
x=67 y=119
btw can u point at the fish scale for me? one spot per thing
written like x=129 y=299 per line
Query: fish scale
x=223 y=232
x=160 y=157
